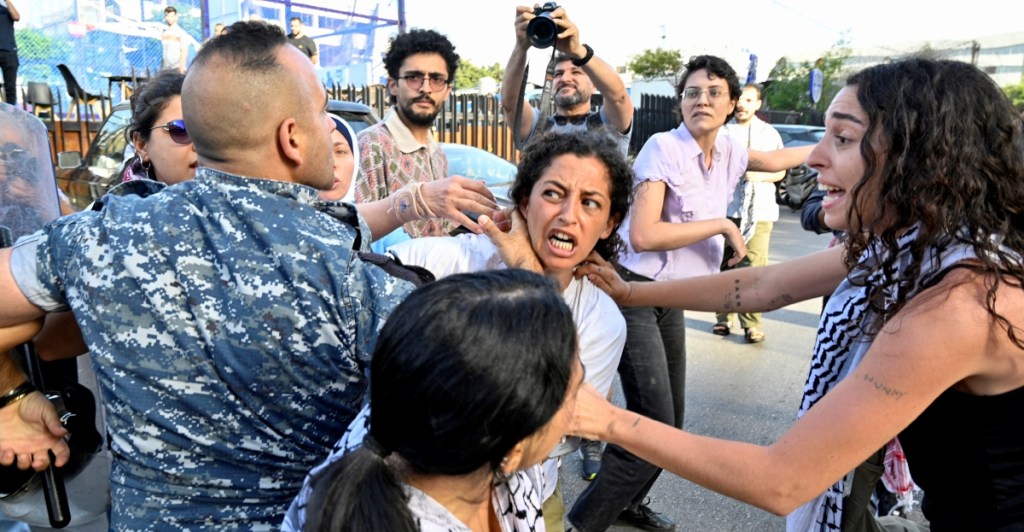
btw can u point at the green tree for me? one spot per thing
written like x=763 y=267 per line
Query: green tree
x=787 y=88
x=38 y=53
x=1016 y=95
x=659 y=63
x=468 y=75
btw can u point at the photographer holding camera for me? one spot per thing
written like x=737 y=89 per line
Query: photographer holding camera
x=577 y=73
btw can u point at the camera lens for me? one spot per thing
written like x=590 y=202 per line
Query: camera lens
x=542 y=31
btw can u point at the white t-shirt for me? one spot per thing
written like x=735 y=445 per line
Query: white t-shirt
x=601 y=327
x=599 y=323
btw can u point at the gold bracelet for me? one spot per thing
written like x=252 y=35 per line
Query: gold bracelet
x=17 y=394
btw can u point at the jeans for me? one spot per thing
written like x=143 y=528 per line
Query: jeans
x=9 y=67
x=653 y=376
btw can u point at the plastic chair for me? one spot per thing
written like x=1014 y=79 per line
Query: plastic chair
x=78 y=94
x=40 y=97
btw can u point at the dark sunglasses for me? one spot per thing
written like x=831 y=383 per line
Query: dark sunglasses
x=176 y=129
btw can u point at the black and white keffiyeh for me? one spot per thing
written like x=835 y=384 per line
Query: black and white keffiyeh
x=842 y=342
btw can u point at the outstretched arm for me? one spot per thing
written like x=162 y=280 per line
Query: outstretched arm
x=924 y=350
x=447 y=198
x=742 y=290
x=777 y=160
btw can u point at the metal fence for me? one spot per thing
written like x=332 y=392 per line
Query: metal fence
x=478 y=119
x=471 y=119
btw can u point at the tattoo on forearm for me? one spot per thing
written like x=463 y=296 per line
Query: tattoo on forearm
x=636 y=421
x=732 y=301
x=883 y=387
x=782 y=300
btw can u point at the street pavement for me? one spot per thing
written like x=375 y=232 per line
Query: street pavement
x=735 y=390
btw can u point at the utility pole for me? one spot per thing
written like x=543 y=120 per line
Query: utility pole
x=401 y=17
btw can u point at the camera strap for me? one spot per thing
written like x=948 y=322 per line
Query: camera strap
x=545 y=99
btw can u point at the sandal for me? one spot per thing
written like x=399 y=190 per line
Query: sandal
x=721 y=328
x=754 y=335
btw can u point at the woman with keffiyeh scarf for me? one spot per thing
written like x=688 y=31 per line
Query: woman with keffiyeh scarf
x=923 y=336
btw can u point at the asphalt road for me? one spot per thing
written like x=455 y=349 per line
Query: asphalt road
x=735 y=390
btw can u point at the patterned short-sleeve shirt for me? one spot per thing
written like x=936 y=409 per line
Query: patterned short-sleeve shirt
x=391 y=158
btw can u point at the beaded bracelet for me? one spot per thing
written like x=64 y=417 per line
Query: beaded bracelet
x=17 y=394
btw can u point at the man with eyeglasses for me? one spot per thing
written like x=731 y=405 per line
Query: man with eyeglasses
x=578 y=72
x=399 y=154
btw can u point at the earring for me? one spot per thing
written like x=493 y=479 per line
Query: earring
x=147 y=166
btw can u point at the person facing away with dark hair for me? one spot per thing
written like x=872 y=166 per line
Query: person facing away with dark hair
x=578 y=74
x=922 y=337
x=399 y=156
x=473 y=384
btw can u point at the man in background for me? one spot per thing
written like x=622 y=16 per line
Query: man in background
x=399 y=154
x=302 y=41
x=174 y=41
x=578 y=72
x=9 y=50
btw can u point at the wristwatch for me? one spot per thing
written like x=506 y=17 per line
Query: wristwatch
x=586 y=58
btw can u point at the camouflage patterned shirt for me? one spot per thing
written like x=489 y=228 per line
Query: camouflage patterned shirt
x=231 y=327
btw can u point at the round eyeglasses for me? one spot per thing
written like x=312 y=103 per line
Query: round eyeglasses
x=715 y=94
x=176 y=129
x=415 y=80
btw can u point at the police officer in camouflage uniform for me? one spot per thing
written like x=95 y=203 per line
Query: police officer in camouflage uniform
x=229 y=318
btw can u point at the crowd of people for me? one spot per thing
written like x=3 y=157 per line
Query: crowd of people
x=261 y=367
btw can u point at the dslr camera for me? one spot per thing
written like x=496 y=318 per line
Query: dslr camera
x=542 y=30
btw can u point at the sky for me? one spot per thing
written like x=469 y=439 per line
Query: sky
x=482 y=30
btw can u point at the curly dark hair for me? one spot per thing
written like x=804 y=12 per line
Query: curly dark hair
x=949 y=154
x=420 y=41
x=717 y=67
x=539 y=153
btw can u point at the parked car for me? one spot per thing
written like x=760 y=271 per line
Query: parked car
x=84 y=179
x=799 y=135
x=475 y=163
x=794 y=189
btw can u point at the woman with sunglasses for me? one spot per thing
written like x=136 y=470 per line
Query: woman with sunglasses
x=163 y=149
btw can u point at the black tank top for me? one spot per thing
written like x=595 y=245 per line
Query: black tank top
x=967 y=453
